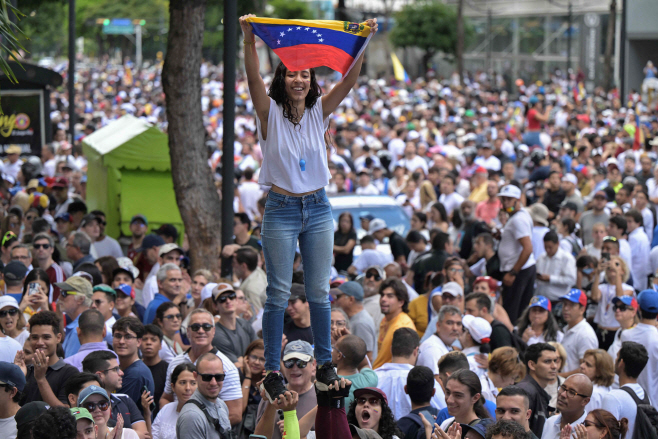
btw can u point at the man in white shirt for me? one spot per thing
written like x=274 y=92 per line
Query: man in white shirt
x=372 y=281
x=595 y=247
x=450 y=199
x=392 y=377
x=556 y=269
x=572 y=397
x=369 y=256
x=448 y=329
x=617 y=228
x=578 y=334
x=365 y=187
x=486 y=159
x=631 y=360
x=13 y=381
x=641 y=248
x=539 y=214
x=646 y=334
x=411 y=161
x=250 y=193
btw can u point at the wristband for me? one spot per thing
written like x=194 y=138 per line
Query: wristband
x=290 y=425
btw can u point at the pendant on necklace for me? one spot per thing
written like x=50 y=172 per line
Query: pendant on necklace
x=302 y=164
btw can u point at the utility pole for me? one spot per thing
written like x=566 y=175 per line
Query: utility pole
x=622 y=54
x=71 y=78
x=569 y=19
x=489 y=42
x=138 y=46
x=460 y=41
x=228 y=139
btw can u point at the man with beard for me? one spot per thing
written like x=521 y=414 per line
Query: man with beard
x=373 y=279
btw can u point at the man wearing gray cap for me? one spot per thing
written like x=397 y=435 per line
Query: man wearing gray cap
x=13 y=381
x=350 y=299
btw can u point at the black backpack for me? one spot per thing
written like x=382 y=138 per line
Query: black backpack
x=646 y=419
x=419 y=422
x=517 y=342
x=223 y=434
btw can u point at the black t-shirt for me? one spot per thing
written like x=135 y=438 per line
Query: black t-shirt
x=251 y=242
x=430 y=261
x=500 y=335
x=411 y=428
x=398 y=246
x=159 y=372
x=122 y=403
x=553 y=199
x=344 y=260
x=294 y=332
x=57 y=375
x=493 y=267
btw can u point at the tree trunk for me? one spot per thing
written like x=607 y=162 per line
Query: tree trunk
x=196 y=195
x=460 y=41
x=609 y=46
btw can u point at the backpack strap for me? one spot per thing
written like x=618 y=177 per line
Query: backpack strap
x=637 y=400
x=214 y=422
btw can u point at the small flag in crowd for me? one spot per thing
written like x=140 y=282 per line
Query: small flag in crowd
x=305 y=44
x=398 y=70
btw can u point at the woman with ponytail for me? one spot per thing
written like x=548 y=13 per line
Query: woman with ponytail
x=599 y=424
x=464 y=399
x=475 y=340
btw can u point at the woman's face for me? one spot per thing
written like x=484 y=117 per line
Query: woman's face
x=345 y=223
x=256 y=361
x=14 y=224
x=368 y=411
x=185 y=385
x=197 y=285
x=459 y=399
x=171 y=321
x=538 y=316
x=100 y=417
x=593 y=430
x=298 y=84
x=123 y=302
x=105 y=280
x=416 y=224
x=588 y=367
x=8 y=318
x=29 y=217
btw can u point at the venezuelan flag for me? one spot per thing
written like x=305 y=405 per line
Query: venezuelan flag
x=305 y=44
x=398 y=70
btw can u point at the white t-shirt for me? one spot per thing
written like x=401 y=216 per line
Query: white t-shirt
x=576 y=341
x=621 y=405
x=598 y=393
x=492 y=163
x=451 y=201
x=646 y=335
x=518 y=226
x=8 y=349
x=22 y=337
x=552 y=426
x=164 y=426
x=605 y=314
x=128 y=433
x=430 y=352
x=8 y=428
x=541 y=339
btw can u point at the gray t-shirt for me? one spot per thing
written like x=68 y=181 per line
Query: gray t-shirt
x=233 y=343
x=577 y=200
x=587 y=221
x=8 y=428
x=193 y=424
x=108 y=247
x=362 y=325
x=307 y=401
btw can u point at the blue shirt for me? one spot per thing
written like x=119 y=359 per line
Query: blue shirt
x=158 y=300
x=489 y=405
x=135 y=377
x=71 y=343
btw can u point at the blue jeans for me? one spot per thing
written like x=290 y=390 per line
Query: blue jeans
x=286 y=220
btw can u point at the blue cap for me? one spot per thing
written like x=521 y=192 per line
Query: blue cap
x=64 y=216
x=368 y=217
x=540 y=302
x=576 y=296
x=91 y=390
x=353 y=289
x=626 y=300
x=648 y=301
x=151 y=241
x=533 y=99
x=12 y=375
x=139 y=217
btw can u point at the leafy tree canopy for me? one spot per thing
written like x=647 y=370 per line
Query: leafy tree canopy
x=290 y=9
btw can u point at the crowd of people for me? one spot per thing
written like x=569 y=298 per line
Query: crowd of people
x=522 y=303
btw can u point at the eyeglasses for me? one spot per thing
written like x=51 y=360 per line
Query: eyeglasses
x=621 y=308
x=9 y=236
x=43 y=246
x=255 y=358
x=174 y=316
x=126 y=337
x=207 y=377
x=570 y=392
x=196 y=326
x=115 y=369
x=290 y=363
x=101 y=223
x=11 y=312
x=102 y=406
x=372 y=401
x=224 y=297
x=456 y=270
x=376 y=276
x=339 y=323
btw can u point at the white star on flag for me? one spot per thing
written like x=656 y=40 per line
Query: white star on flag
x=314 y=30
x=278 y=41
x=305 y=28
x=282 y=34
x=319 y=35
x=298 y=27
x=321 y=40
x=289 y=29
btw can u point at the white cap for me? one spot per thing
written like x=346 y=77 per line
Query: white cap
x=8 y=301
x=169 y=248
x=452 y=288
x=206 y=292
x=413 y=135
x=510 y=191
x=570 y=178
x=479 y=328
x=376 y=225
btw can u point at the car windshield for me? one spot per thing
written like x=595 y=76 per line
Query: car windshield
x=394 y=216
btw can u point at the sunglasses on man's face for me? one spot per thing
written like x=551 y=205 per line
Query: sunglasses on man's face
x=41 y=246
x=290 y=363
x=11 y=312
x=195 y=327
x=207 y=377
x=224 y=297
x=621 y=308
x=376 y=276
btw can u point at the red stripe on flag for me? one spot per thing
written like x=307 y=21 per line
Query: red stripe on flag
x=304 y=56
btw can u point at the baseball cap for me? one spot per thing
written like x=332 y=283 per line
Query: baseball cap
x=126 y=266
x=167 y=230
x=353 y=289
x=648 y=301
x=66 y=217
x=600 y=194
x=206 y=291
x=105 y=288
x=297 y=291
x=8 y=301
x=139 y=217
x=376 y=225
x=452 y=288
x=29 y=412
x=480 y=428
x=77 y=284
x=368 y=217
x=125 y=289
x=379 y=270
x=481 y=170
x=91 y=390
x=298 y=349
x=337 y=281
x=15 y=270
x=510 y=191
x=479 y=328
x=151 y=241
x=626 y=300
x=220 y=289
x=84 y=275
x=583 y=117
x=59 y=182
x=539 y=213
x=569 y=205
x=12 y=375
x=570 y=178
x=541 y=302
x=364 y=433
x=577 y=296
x=81 y=413
x=370 y=390
x=87 y=219
x=166 y=248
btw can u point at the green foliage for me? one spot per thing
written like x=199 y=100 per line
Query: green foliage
x=46 y=26
x=10 y=35
x=291 y=9
x=430 y=26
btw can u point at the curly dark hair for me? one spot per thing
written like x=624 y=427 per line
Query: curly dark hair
x=387 y=425
x=277 y=92
x=57 y=422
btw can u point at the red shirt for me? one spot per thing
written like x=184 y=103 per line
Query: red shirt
x=533 y=123
x=55 y=274
x=488 y=211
